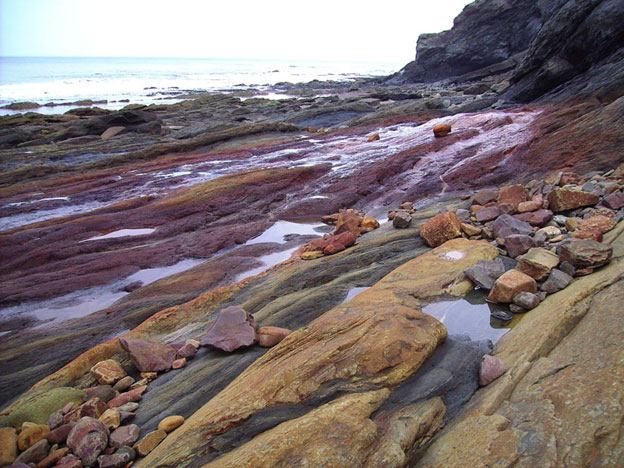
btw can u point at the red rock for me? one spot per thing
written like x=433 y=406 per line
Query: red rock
x=233 y=328
x=537 y=263
x=148 y=356
x=187 y=351
x=88 y=439
x=52 y=458
x=374 y=137
x=132 y=395
x=333 y=248
x=487 y=214
x=509 y=284
x=483 y=197
x=441 y=130
x=108 y=372
x=598 y=223
x=475 y=208
x=124 y=435
x=93 y=408
x=69 y=461
x=179 y=363
x=594 y=235
x=492 y=368
x=536 y=218
x=103 y=392
x=123 y=384
x=270 y=336
x=561 y=199
x=513 y=194
x=569 y=178
x=470 y=230
x=615 y=201
x=59 y=435
x=34 y=454
x=440 y=228
x=506 y=208
x=531 y=205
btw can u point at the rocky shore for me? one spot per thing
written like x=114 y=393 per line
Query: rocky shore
x=239 y=281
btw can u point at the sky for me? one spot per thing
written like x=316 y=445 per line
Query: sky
x=382 y=31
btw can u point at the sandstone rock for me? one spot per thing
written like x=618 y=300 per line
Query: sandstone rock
x=598 y=223
x=92 y=408
x=487 y=214
x=615 y=201
x=34 y=454
x=369 y=223
x=506 y=225
x=485 y=273
x=563 y=199
x=149 y=442
x=104 y=392
x=123 y=384
x=470 y=230
x=517 y=244
x=179 y=363
x=526 y=300
x=512 y=194
x=233 y=328
x=492 y=368
x=441 y=130
x=59 y=435
x=53 y=458
x=111 y=418
x=111 y=132
x=88 y=439
x=31 y=435
x=170 y=423
x=124 y=435
x=373 y=137
x=585 y=253
x=270 y=336
x=531 y=205
x=401 y=220
x=148 y=356
x=8 y=446
x=509 y=284
x=557 y=280
x=483 y=197
x=440 y=229
x=108 y=372
x=127 y=397
x=39 y=409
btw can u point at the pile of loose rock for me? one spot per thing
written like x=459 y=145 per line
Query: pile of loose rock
x=547 y=233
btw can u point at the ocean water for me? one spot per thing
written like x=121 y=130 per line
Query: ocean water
x=62 y=80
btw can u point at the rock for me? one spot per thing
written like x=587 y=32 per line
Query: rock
x=187 y=351
x=333 y=248
x=93 y=408
x=233 y=328
x=149 y=442
x=492 y=368
x=108 y=372
x=88 y=439
x=59 y=435
x=510 y=284
x=526 y=300
x=314 y=254
x=516 y=309
x=123 y=384
x=563 y=199
x=485 y=273
x=31 y=435
x=440 y=228
x=441 y=130
x=369 y=223
x=170 y=423
x=192 y=342
x=567 y=268
x=124 y=435
x=39 y=409
x=506 y=208
x=598 y=223
x=111 y=418
x=128 y=407
x=536 y=218
x=615 y=201
x=179 y=363
x=585 y=253
x=487 y=214
x=537 y=263
x=130 y=396
x=593 y=235
x=148 y=356
x=120 y=459
x=485 y=196
x=103 y=392
x=530 y=205
x=270 y=336
x=373 y=137
x=549 y=232
x=34 y=454
x=111 y=132
x=517 y=244
x=512 y=194
x=506 y=225
x=149 y=376
x=56 y=419
x=470 y=230
x=501 y=315
x=557 y=280
x=53 y=458
x=8 y=446
x=401 y=220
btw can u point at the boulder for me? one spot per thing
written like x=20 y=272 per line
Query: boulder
x=491 y=368
x=585 y=253
x=537 y=263
x=526 y=300
x=8 y=445
x=564 y=199
x=487 y=214
x=557 y=280
x=149 y=442
x=512 y=194
x=39 y=409
x=233 y=328
x=441 y=130
x=270 y=336
x=506 y=225
x=485 y=196
x=34 y=454
x=401 y=220
x=440 y=228
x=509 y=284
x=88 y=439
x=485 y=273
x=148 y=356
x=536 y=218
x=108 y=372
x=517 y=244
x=170 y=423
x=31 y=435
x=124 y=435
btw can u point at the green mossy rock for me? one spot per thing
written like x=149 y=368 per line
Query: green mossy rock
x=38 y=408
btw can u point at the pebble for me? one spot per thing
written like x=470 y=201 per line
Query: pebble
x=123 y=384
x=170 y=423
x=492 y=368
x=149 y=442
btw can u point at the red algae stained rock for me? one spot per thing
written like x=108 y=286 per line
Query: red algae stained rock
x=441 y=228
x=441 y=130
x=108 y=372
x=148 y=356
x=562 y=199
x=270 y=336
x=234 y=328
x=509 y=284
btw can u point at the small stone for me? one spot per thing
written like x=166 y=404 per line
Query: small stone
x=492 y=368
x=501 y=315
x=104 y=392
x=149 y=442
x=441 y=130
x=560 y=220
x=526 y=300
x=55 y=420
x=179 y=363
x=506 y=208
x=92 y=408
x=593 y=235
x=111 y=418
x=31 y=435
x=132 y=395
x=373 y=137
x=139 y=384
x=462 y=214
x=557 y=280
x=68 y=407
x=125 y=416
x=401 y=220
x=52 y=458
x=34 y=454
x=563 y=199
x=88 y=439
x=128 y=407
x=549 y=231
x=149 y=376
x=59 y=435
x=311 y=255
x=537 y=263
x=369 y=223
x=69 y=461
x=170 y=423
x=615 y=201
x=474 y=209
x=487 y=214
x=270 y=336
x=440 y=228
x=192 y=342
x=485 y=196
x=470 y=230
x=124 y=435
x=536 y=218
x=567 y=268
x=108 y=372
x=509 y=284
x=559 y=238
x=531 y=205
x=485 y=273
x=516 y=309
x=585 y=253
x=123 y=384
x=8 y=446
x=517 y=244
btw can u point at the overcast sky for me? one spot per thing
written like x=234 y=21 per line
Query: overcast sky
x=358 y=30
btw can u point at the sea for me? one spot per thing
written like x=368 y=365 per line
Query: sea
x=120 y=80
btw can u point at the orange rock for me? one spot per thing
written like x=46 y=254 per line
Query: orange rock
x=270 y=336
x=31 y=435
x=441 y=130
x=108 y=372
x=179 y=363
x=562 y=199
x=526 y=206
x=52 y=458
x=333 y=248
x=149 y=375
x=510 y=284
x=369 y=223
x=8 y=446
x=598 y=223
x=594 y=235
x=149 y=442
x=512 y=194
x=476 y=208
x=374 y=137
x=441 y=228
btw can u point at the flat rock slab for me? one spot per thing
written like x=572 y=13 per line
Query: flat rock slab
x=234 y=328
